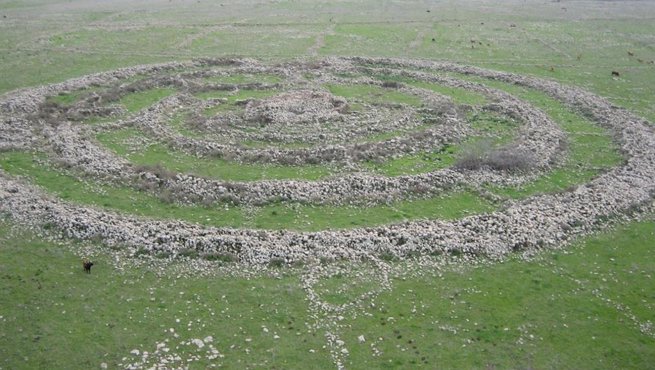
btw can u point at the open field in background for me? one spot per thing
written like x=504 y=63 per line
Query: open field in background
x=579 y=42
x=591 y=305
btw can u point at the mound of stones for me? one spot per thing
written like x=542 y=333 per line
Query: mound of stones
x=302 y=105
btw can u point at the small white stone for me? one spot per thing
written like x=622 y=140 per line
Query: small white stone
x=361 y=339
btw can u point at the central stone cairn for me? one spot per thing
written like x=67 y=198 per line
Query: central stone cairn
x=324 y=129
x=297 y=108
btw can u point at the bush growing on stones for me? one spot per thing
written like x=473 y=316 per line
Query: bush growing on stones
x=141 y=251
x=482 y=154
x=167 y=196
x=51 y=113
x=188 y=252
x=111 y=95
x=419 y=189
x=388 y=256
x=163 y=254
x=509 y=159
x=158 y=170
x=276 y=262
x=196 y=122
x=229 y=199
x=220 y=257
x=392 y=84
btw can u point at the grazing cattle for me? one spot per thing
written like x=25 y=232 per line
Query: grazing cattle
x=615 y=74
x=87 y=266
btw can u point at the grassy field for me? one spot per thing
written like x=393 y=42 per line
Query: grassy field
x=579 y=308
x=590 y=305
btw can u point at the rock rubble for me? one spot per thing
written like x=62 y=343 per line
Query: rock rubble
x=543 y=221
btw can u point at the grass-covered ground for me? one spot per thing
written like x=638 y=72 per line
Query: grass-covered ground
x=588 y=306
x=302 y=217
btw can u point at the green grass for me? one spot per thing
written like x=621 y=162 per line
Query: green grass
x=546 y=313
x=560 y=297
x=276 y=216
x=367 y=39
x=418 y=163
x=374 y=94
x=177 y=123
x=491 y=124
x=55 y=316
x=451 y=205
x=116 y=198
x=136 y=101
x=489 y=127
x=590 y=152
x=346 y=287
x=154 y=39
x=553 y=312
x=160 y=154
x=458 y=95
x=256 y=40
x=67 y=98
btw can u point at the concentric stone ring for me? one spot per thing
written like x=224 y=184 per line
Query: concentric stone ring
x=297 y=106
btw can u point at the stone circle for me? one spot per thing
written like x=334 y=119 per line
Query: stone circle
x=299 y=122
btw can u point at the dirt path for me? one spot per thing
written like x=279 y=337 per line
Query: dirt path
x=320 y=40
x=418 y=40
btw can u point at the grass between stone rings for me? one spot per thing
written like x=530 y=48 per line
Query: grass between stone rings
x=578 y=308
x=275 y=216
x=590 y=152
x=159 y=154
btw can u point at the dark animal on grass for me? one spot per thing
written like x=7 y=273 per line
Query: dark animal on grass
x=87 y=266
x=615 y=74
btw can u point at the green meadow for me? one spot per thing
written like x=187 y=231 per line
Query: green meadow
x=586 y=305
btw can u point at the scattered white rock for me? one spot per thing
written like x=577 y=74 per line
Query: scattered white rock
x=198 y=342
